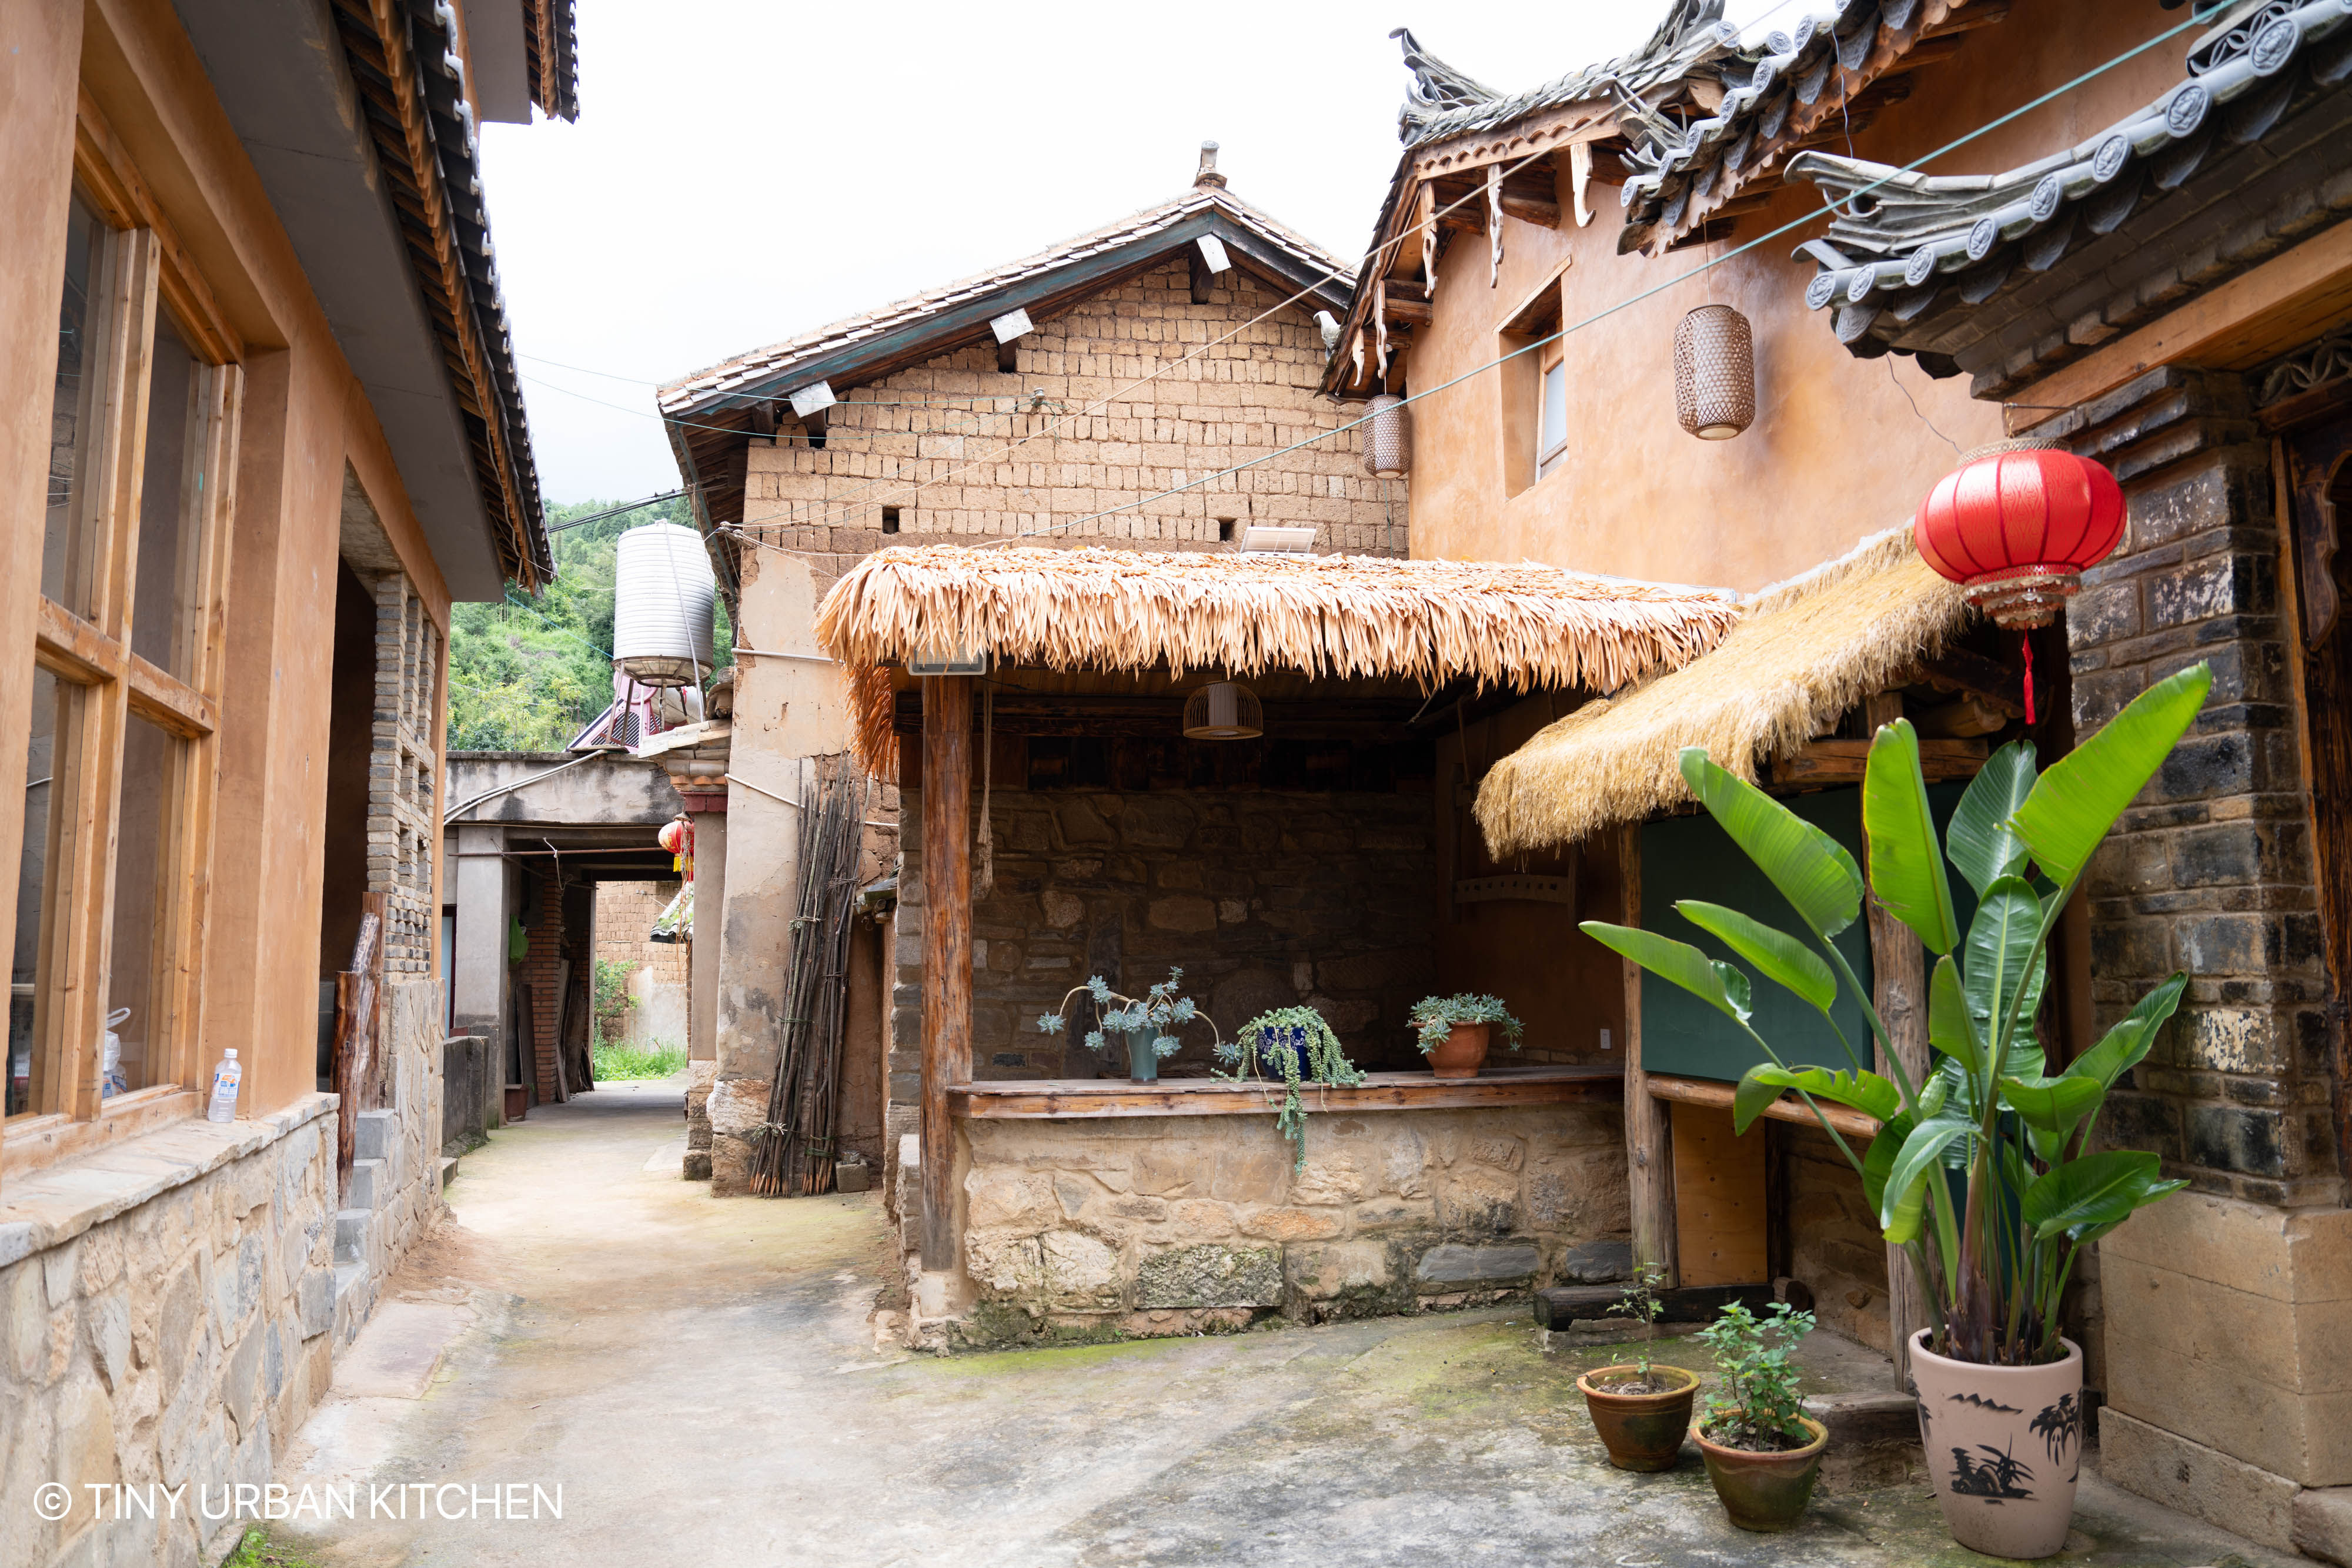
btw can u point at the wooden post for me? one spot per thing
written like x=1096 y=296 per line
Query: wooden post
x=947 y=946
x=1649 y=1138
x=1898 y=989
x=356 y=992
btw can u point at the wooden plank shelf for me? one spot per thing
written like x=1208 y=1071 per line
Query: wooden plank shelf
x=1704 y=1091
x=1078 y=1098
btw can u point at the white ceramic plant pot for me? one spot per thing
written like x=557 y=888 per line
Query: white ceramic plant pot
x=2004 y=1447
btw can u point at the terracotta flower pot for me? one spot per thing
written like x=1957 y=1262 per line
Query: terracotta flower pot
x=1641 y=1431
x=1764 y=1491
x=2004 y=1447
x=1463 y=1051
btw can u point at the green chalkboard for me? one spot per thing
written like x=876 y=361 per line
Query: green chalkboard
x=1690 y=857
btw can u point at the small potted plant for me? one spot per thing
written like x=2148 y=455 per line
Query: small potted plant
x=1457 y=1030
x=1762 y=1455
x=1641 y=1409
x=1148 y=1023
x=1295 y=1046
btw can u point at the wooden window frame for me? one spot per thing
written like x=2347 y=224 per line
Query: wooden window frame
x=1551 y=357
x=103 y=684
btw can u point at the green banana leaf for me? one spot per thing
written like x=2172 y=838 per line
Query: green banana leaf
x=1878 y=1161
x=1721 y=986
x=1762 y=1085
x=2125 y=1045
x=2001 y=959
x=2095 y=1193
x=1776 y=956
x=1950 y=1028
x=2052 y=1105
x=1920 y=1158
x=1980 y=839
x=2072 y=806
x=1811 y=869
x=1907 y=864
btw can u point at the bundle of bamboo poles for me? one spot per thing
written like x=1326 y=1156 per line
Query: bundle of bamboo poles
x=796 y=1149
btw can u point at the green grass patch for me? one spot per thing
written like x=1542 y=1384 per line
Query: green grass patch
x=257 y=1551
x=623 y=1059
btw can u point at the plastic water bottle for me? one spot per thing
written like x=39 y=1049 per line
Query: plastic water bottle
x=225 y=1078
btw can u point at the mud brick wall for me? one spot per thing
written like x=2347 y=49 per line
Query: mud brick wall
x=1179 y=1224
x=947 y=423
x=2210 y=870
x=625 y=913
x=1263 y=899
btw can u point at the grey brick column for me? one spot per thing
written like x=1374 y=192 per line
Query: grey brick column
x=2210 y=870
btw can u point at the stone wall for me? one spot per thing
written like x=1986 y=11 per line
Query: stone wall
x=1263 y=899
x=1835 y=1243
x=169 y=1313
x=1160 y=1225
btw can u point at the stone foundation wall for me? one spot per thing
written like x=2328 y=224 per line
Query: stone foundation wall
x=169 y=1312
x=1834 y=1242
x=1163 y=1224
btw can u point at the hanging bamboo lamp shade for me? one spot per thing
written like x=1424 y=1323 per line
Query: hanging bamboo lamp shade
x=1388 y=438
x=1224 y=710
x=1715 y=372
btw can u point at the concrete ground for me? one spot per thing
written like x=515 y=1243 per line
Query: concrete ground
x=702 y=1380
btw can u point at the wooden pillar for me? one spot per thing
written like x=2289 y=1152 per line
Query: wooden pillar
x=1898 y=987
x=947 y=946
x=1649 y=1136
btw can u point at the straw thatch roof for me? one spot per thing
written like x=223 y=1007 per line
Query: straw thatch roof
x=1803 y=653
x=1525 y=627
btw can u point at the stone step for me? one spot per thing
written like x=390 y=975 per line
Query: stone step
x=449 y=1169
x=371 y=1184
x=354 y=1236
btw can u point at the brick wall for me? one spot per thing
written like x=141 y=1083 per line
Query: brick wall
x=2210 y=871
x=1240 y=399
x=625 y=913
x=539 y=972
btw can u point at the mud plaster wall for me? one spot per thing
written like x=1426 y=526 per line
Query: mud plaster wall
x=1175 y=1224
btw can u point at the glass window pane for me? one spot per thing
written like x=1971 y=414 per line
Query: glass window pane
x=27 y=1090
x=64 y=572
x=1555 y=407
x=170 y=487
x=145 y=851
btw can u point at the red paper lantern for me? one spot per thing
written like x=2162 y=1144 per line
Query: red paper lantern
x=2017 y=525
x=675 y=836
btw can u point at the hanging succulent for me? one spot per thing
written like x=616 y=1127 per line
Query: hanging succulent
x=1296 y=1045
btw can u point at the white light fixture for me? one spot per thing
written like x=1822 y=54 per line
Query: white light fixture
x=949 y=661
x=815 y=398
x=1224 y=710
x=1275 y=537
x=1212 y=253
x=1011 y=325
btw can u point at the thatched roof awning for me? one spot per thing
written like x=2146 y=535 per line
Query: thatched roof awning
x=1803 y=653
x=1525 y=627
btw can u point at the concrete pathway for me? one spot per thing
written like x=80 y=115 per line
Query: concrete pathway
x=701 y=1380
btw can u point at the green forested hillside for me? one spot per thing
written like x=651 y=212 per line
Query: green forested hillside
x=526 y=674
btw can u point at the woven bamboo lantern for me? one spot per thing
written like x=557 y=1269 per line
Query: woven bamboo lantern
x=1224 y=710
x=1388 y=438
x=2017 y=523
x=1715 y=372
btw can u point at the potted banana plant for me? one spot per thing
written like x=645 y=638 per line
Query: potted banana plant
x=1999 y=1387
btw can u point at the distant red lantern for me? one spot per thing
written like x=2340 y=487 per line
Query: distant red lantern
x=673 y=836
x=2017 y=525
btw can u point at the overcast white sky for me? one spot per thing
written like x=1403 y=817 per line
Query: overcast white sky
x=744 y=170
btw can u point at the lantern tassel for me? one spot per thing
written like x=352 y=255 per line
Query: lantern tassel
x=2025 y=642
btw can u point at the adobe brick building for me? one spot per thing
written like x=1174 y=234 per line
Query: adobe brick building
x=1012 y=405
